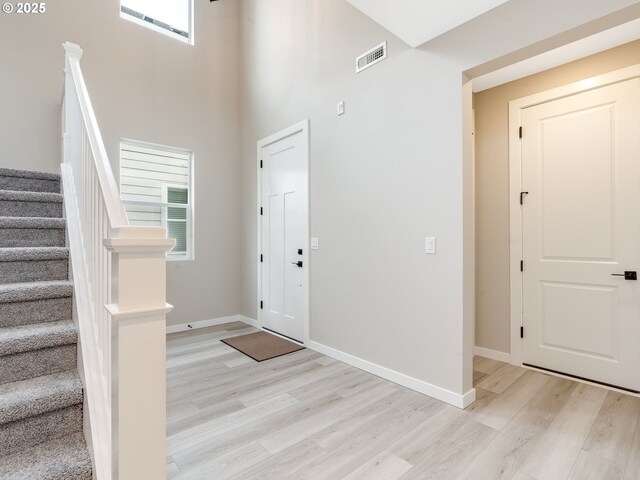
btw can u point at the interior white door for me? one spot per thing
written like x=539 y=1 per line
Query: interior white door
x=284 y=230
x=581 y=229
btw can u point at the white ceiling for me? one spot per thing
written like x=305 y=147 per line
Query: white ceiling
x=627 y=32
x=418 y=21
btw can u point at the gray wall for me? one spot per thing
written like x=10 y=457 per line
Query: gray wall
x=375 y=191
x=144 y=86
x=492 y=184
x=385 y=175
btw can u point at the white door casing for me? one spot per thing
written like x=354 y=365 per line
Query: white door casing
x=283 y=238
x=580 y=225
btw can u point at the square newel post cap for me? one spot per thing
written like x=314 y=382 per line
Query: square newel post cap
x=72 y=50
x=142 y=240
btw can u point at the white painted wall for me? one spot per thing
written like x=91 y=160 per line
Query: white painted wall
x=385 y=175
x=144 y=86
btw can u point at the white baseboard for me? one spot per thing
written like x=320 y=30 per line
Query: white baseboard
x=211 y=323
x=457 y=400
x=493 y=354
x=249 y=321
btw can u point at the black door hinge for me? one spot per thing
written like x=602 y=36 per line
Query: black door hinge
x=261 y=305
x=261 y=258
x=520 y=132
x=522 y=195
x=261 y=211
x=260 y=163
x=521 y=332
x=522 y=265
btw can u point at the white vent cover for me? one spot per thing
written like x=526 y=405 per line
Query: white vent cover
x=373 y=56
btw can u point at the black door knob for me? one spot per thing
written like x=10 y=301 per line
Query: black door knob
x=299 y=264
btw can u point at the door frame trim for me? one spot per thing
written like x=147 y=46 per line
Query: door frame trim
x=300 y=127
x=515 y=185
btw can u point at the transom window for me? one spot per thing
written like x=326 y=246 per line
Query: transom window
x=155 y=187
x=171 y=17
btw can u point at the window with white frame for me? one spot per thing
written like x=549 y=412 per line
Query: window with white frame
x=156 y=189
x=171 y=17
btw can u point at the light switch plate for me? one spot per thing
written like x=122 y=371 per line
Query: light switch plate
x=430 y=245
x=314 y=243
x=340 y=108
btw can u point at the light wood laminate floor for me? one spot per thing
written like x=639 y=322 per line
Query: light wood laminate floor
x=305 y=416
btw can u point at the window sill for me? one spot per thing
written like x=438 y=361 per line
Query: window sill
x=179 y=259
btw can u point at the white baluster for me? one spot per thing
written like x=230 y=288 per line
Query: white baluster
x=123 y=348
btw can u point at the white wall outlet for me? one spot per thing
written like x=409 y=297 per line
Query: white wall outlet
x=430 y=245
x=340 y=108
x=315 y=245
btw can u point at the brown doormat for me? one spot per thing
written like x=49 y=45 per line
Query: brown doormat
x=262 y=345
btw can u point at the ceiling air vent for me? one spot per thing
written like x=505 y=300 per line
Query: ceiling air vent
x=371 y=57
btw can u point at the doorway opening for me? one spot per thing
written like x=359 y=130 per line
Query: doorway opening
x=498 y=315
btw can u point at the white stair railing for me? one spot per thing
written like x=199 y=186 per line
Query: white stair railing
x=119 y=275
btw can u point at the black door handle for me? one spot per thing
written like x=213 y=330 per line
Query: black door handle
x=626 y=275
x=299 y=264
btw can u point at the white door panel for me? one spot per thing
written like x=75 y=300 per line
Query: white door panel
x=273 y=253
x=581 y=225
x=284 y=179
x=575 y=180
x=563 y=327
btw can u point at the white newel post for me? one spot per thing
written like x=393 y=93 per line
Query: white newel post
x=71 y=51
x=138 y=315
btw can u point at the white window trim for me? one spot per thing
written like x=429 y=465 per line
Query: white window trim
x=155 y=28
x=191 y=212
x=158 y=146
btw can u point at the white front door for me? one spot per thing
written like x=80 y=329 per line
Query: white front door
x=581 y=230
x=284 y=232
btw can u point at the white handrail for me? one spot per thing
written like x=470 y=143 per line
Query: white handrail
x=115 y=209
x=120 y=307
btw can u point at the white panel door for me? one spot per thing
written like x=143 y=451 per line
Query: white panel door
x=581 y=228
x=284 y=235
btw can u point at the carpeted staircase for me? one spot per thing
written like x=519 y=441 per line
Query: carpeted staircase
x=41 y=395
